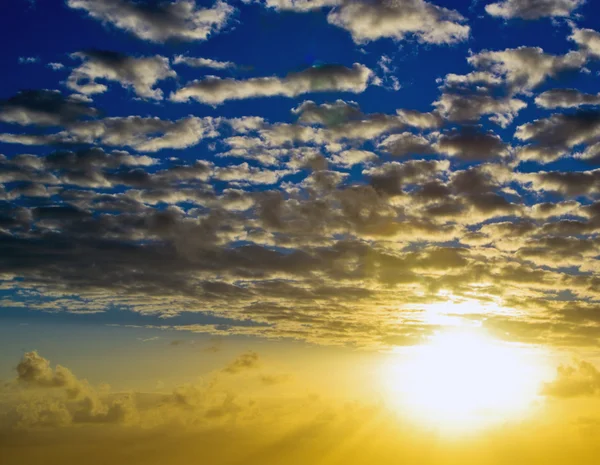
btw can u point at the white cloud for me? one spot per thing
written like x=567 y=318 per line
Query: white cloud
x=533 y=9
x=398 y=20
x=214 y=90
x=141 y=74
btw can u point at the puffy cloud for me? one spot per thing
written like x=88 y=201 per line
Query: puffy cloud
x=583 y=379
x=470 y=107
x=214 y=90
x=44 y=108
x=327 y=114
x=349 y=158
x=161 y=21
x=567 y=183
x=471 y=144
x=390 y=178
x=555 y=136
x=406 y=143
x=35 y=370
x=202 y=62
x=588 y=40
x=141 y=74
x=533 y=9
x=566 y=98
x=524 y=68
x=425 y=21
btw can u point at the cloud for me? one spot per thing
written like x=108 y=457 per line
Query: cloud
x=555 y=136
x=524 y=68
x=246 y=361
x=160 y=21
x=470 y=108
x=140 y=74
x=28 y=60
x=213 y=90
x=588 y=40
x=55 y=66
x=147 y=134
x=427 y=22
x=533 y=9
x=202 y=62
x=471 y=144
x=582 y=379
x=566 y=98
x=327 y=114
x=44 y=108
x=406 y=143
x=35 y=370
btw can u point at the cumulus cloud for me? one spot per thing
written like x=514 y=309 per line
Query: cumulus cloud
x=582 y=379
x=44 y=108
x=555 y=136
x=140 y=74
x=533 y=9
x=327 y=114
x=588 y=40
x=215 y=91
x=35 y=370
x=427 y=22
x=471 y=144
x=470 y=107
x=524 y=68
x=160 y=21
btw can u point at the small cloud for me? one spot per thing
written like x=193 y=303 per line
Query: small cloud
x=55 y=66
x=246 y=361
x=28 y=60
x=274 y=379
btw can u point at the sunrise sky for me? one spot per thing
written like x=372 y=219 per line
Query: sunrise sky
x=300 y=232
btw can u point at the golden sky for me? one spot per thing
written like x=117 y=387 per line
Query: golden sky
x=309 y=232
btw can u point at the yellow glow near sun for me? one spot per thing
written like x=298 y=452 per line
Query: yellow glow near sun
x=463 y=380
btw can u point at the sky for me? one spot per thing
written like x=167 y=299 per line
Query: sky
x=299 y=231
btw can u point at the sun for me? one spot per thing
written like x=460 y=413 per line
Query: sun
x=463 y=380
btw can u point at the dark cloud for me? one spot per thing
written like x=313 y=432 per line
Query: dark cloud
x=160 y=21
x=566 y=98
x=44 y=108
x=140 y=74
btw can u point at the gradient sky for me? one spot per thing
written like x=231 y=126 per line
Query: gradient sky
x=259 y=223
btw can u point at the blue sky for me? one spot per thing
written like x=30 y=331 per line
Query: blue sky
x=245 y=188
x=299 y=231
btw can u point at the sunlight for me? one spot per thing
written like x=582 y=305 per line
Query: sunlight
x=463 y=380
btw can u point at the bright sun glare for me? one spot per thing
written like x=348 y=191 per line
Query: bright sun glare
x=463 y=380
